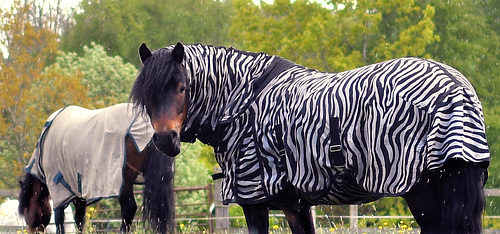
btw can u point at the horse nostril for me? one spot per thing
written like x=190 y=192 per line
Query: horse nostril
x=174 y=134
x=155 y=137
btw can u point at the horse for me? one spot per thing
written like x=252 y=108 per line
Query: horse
x=289 y=137
x=10 y=216
x=85 y=155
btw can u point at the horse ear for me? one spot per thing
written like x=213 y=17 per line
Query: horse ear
x=144 y=52
x=178 y=52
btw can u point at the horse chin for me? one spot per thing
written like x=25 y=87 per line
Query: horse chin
x=168 y=143
x=174 y=151
x=171 y=150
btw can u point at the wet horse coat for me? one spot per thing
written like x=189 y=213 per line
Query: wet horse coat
x=78 y=150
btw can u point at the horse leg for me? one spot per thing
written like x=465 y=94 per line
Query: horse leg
x=296 y=210
x=128 y=206
x=59 y=220
x=80 y=208
x=300 y=221
x=135 y=162
x=257 y=217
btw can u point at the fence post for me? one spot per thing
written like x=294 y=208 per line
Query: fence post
x=353 y=213
x=210 y=194
x=221 y=211
x=313 y=213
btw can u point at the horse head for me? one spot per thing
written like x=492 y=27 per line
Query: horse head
x=34 y=203
x=162 y=90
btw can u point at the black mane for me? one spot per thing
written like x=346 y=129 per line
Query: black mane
x=27 y=192
x=157 y=72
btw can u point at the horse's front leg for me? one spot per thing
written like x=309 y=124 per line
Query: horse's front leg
x=128 y=206
x=297 y=210
x=80 y=208
x=59 y=220
x=257 y=217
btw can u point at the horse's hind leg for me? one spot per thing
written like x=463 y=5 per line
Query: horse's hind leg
x=300 y=221
x=257 y=217
x=59 y=220
x=80 y=208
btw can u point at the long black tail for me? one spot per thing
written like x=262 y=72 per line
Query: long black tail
x=159 y=191
x=462 y=187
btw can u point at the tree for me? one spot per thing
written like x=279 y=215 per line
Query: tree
x=26 y=90
x=469 y=43
x=356 y=34
x=49 y=14
x=116 y=25
x=301 y=31
x=121 y=26
x=108 y=79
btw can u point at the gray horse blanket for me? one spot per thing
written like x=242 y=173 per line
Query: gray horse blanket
x=81 y=152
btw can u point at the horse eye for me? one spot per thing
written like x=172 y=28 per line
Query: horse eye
x=182 y=89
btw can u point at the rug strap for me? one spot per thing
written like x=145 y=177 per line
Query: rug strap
x=335 y=152
x=279 y=140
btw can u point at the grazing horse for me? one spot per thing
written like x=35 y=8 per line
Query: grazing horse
x=12 y=220
x=85 y=155
x=289 y=137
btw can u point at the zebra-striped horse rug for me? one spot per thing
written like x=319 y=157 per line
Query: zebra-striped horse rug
x=81 y=152
x=338 y=138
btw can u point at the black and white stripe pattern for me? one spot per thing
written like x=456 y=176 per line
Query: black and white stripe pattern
x=396 y=119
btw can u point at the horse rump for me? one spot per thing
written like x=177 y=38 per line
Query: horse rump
x=159 y=191
x=462 y=190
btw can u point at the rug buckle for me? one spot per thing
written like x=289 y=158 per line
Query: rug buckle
x=334 y=148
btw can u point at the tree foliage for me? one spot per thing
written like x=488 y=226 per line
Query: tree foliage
x=470 y=43
x=356 y=34
x=121 y=26
x=108 y=79
x=28 y=94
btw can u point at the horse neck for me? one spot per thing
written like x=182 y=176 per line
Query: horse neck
x=219 y=76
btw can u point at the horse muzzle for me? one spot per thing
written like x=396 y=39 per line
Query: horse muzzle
x=168 y=143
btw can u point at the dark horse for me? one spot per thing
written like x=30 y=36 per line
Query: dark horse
x=289 y=137
x=139 y=157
